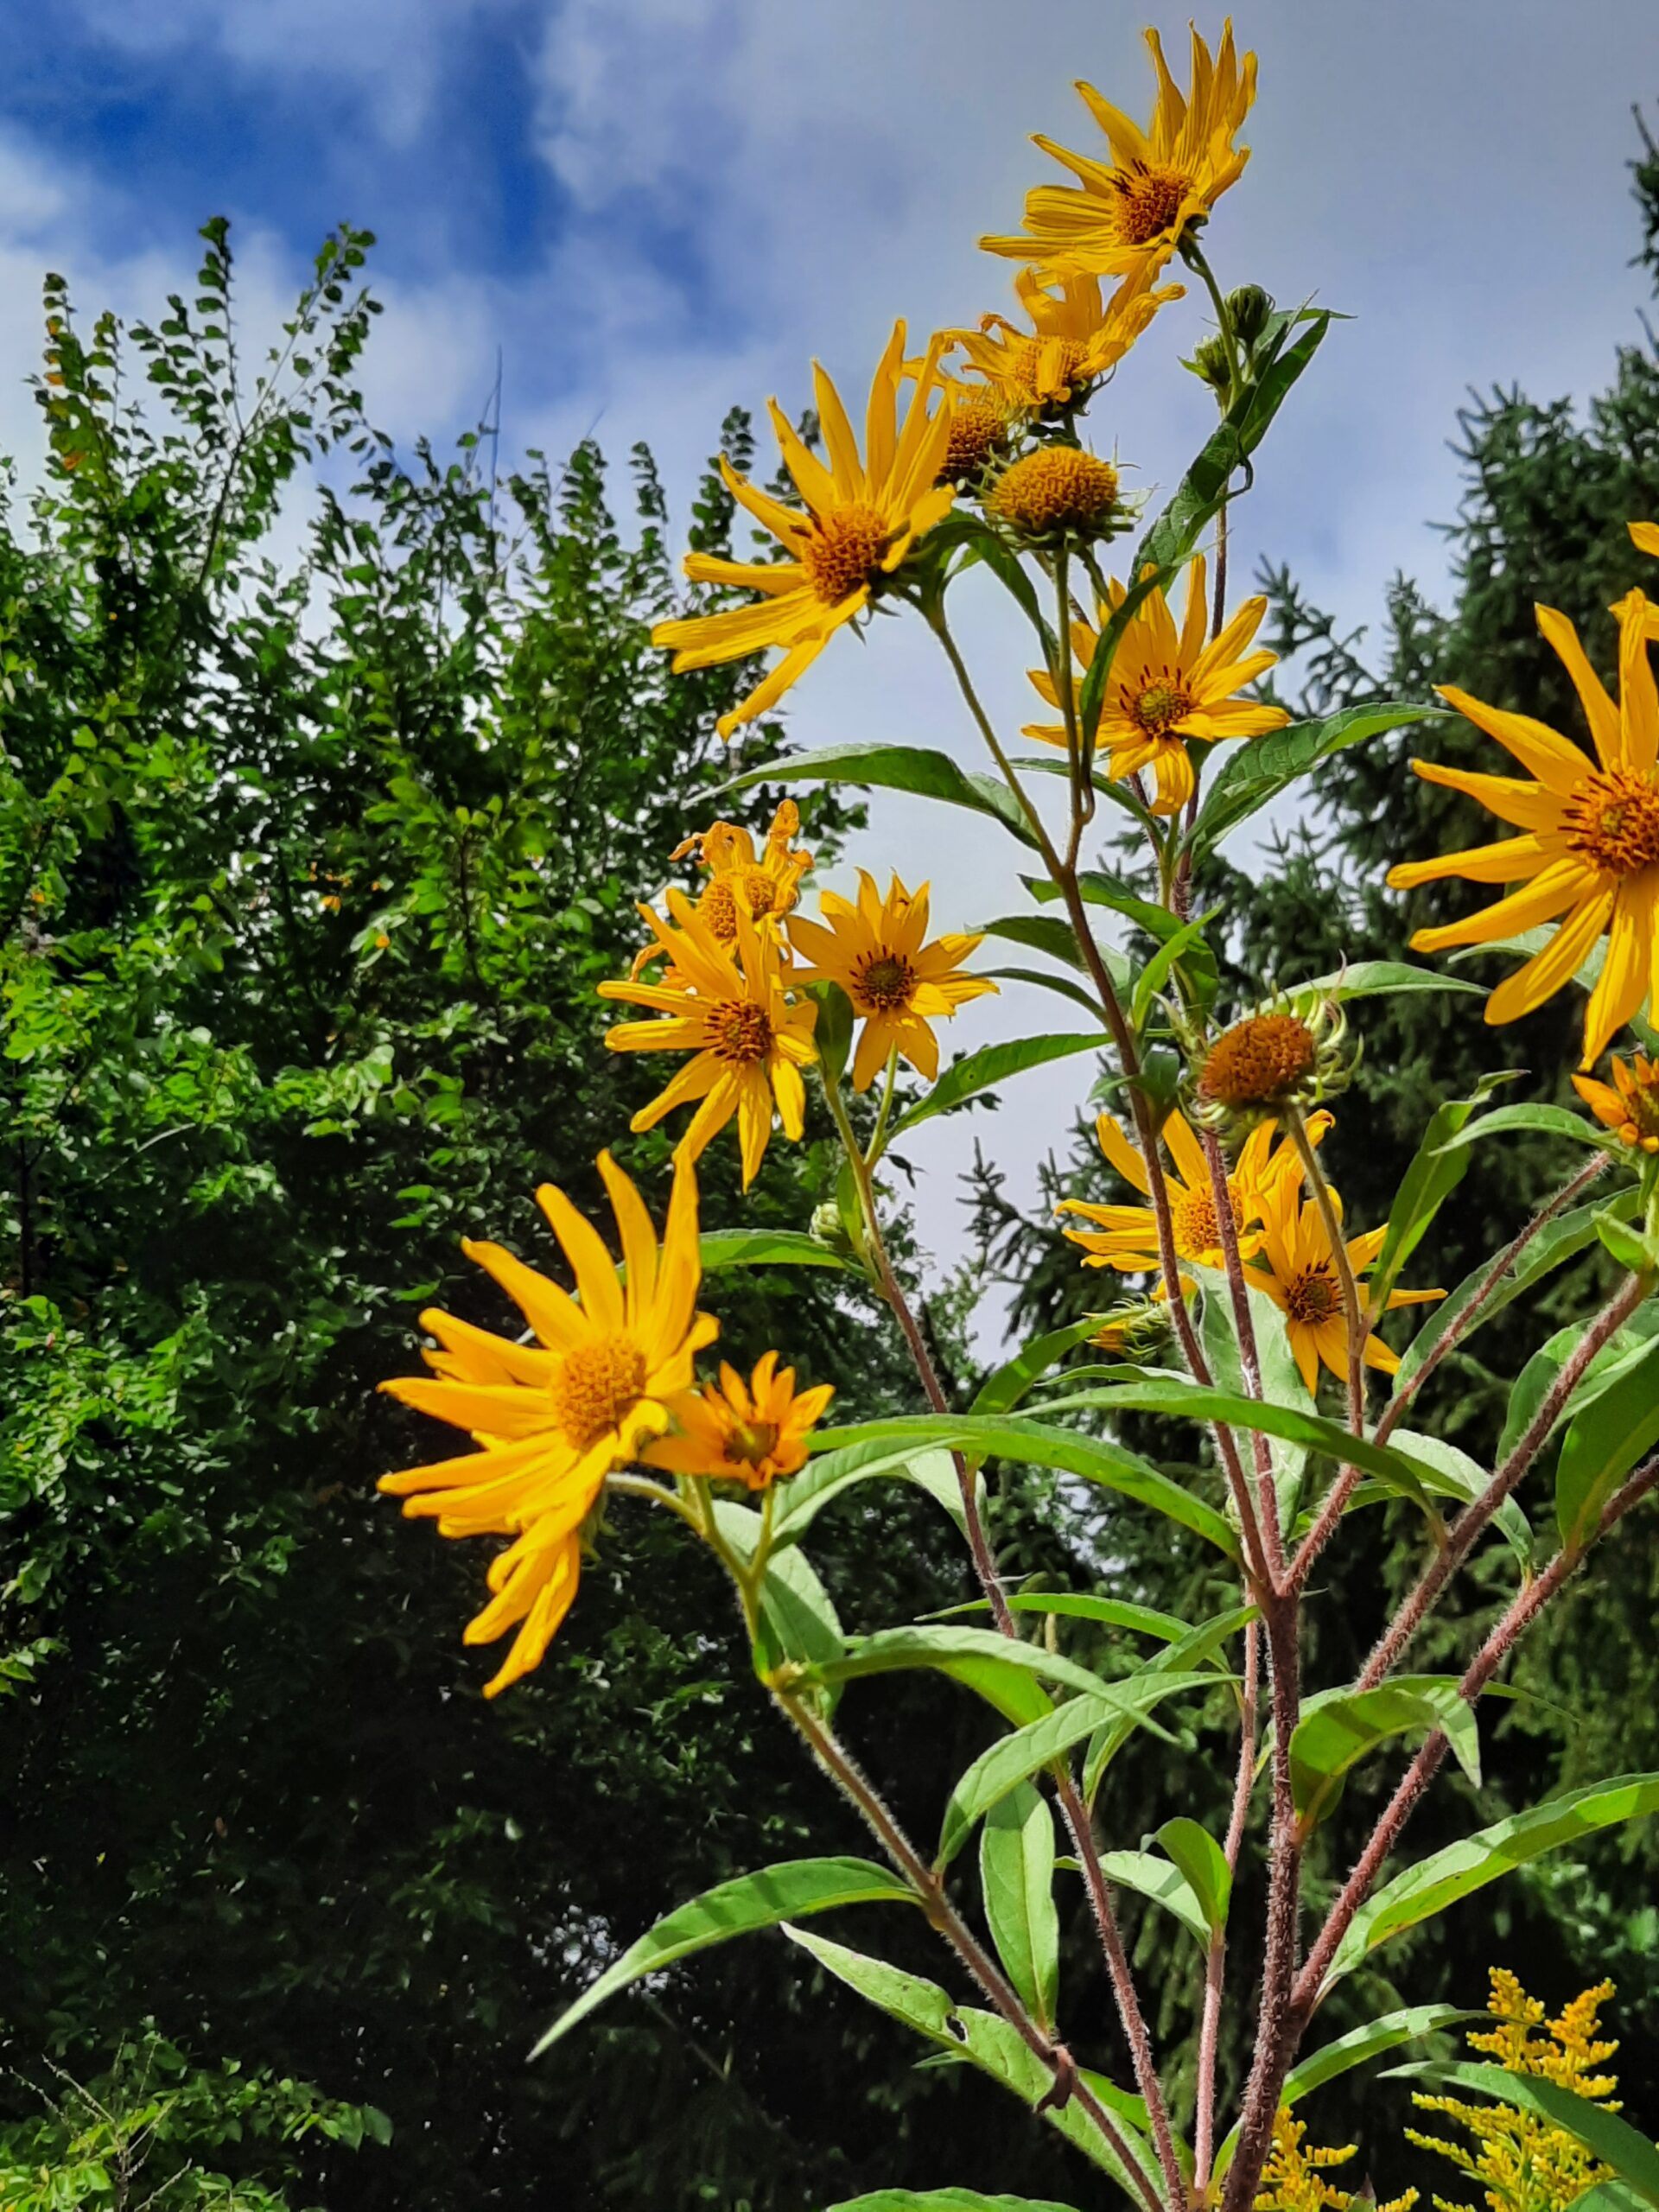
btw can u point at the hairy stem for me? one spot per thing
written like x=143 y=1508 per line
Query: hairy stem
x=1215 y=1964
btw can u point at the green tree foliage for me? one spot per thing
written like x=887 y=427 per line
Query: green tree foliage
x=1549 y=488
x=322 y=811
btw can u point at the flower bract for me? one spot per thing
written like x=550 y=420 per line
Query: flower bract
x=553 y=1418
x=753 y=1433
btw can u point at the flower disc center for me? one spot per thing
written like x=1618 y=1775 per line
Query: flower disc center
x=596 y=1387
x=738 y=1031
x=1150 y=197
x=1197 y=1230
x=844 y=551
x=1615 y=822
x=886 y=982
x=1314 y=1297
x=1160 y=705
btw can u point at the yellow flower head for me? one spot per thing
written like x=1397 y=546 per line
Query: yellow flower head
x=1128 y=215
x=753 y=1433
x=1295 y=1265
x=876 y=952
x=1074 y=341
x=764 y=885
x=749 y=1044
x=1292 y=2179
x=1519 y=2158
x=1168 y=686
x=1588 y=856
x=981 y=425
x=1055 y=491
x=552 y=1420
x=859 y=520
x=1630 y=1106
x=1126 y=1237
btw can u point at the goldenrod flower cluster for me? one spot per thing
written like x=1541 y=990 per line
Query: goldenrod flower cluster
x=1293 y=2178
x=1523 y=2163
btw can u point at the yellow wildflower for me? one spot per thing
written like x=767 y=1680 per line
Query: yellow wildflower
x=1074 y=340
x=753 y=1433
x=748 y=1043
x=1129 y=214
x=876 y=952
x=1519 y=2159
x=1590 y=848
x=1296 y=1267
x=553 y=1420
x=1292 y=2179
x=1630 y=1107
x=1126 y=1236
x=764 y=885
x=858 y=521
x=1168 y=686
x=1055 y=491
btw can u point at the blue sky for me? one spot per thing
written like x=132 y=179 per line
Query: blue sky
x=656 y=208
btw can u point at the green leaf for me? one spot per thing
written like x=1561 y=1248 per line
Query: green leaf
x=1203 y=1863
x=1016 y=1873
x=1452 y=1473
x=1061 y=986
x=993 y=1064
x=1603 y=1444
x=1160 y=1881
x=1033 y=1443
x=948 y=1650
x=987 y=2041
x=1110 y=1612
x=1535 y=1379
x=945 y=2200
x=1434 y=1172
x=1170 y=956
x=1013 y=1758
x=804 y=1497
x=892 y=768
x=1463 y=1867
x=767 y=1247
x=1552 y=1121
x=1337 y=1729
x=1367 y=979
x=1557 y=1242
x=1630 y=1246
x=1003 y=1390
x=832 y=1032
x=1049 y=934
x=1613 y=2141
x=1198 y=1648
x=799 y=1621
x=1357 y=2047
x=737 y=1908
x=1254 y=773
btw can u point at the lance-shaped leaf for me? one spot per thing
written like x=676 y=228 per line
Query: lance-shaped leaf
x=1183 y=942
x=767 y=1247
x=1061 y=986
x=1603 y=1444
x=1253 y=774
x=1545 y=1120
x=1203 y=1863
x=892 y=768
x=987 y=2041
x=1162 y=1883
x=1181 y=951
x=1357 y=2047
x=1199 y=1648
x=996 y=1666
x=993 y=1064
x=798 y=1622
x=1014 y=1759
x=1002 y=1390
x=1532 y=1386
x=1016 y=1876
x=1368 y=979
x=1048 y=933
x=1433 y=1173
x=1613 y=2141
x=945 y=2200
x=1559 y=1239
x=804 y=1497
x=1339 y=1728
x=1455 y=1474
x=1462 y=1868
x=1038 y=1444
x=791 y=1890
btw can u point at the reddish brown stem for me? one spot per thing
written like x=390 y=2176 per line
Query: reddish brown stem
x=1461 y=1535
x=1215 y=1965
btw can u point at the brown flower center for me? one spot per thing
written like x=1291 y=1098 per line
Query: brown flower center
x=1197 y=1230
x=595 y=1387
x=978 y=430
x=1160 y=705
x=844 y=551
x=738 y=1031
x=1258 y=1061
x=1312 y=1296
x=718 y=907
x=750 y=1442
x=1614 y=821
x=1149 y=198
x=886 y=982
x=1056 y=488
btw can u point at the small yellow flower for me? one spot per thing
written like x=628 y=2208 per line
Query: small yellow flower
x=1126 y=1237
x=1292 y=2179
x=1128 y=215
x=1589 y=854
x=748 y=1043
x=753 y=1432
x=1630 y=1106
x=876 y=952
x=1295 y=1265
x=1074 y=340
x=858 y=521
x=1168 y=686
x=1056 y=492
x=763 y=885
x=553 y=1420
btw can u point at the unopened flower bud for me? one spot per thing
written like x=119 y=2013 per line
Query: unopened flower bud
x=1210 y=363
x=1248 y=309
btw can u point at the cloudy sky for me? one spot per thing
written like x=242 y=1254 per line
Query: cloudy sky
x=656 y=208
